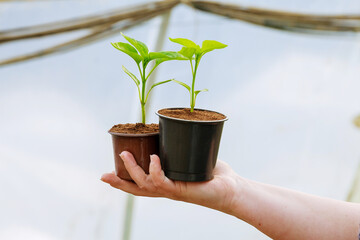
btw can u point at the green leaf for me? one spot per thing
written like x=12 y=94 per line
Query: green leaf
x=185 y=42
x=154 y=85
x=169 y=56
x=173 y=55
x=159 y=83
x=166 y=54
x=140 y=46
x=210 y=45
x=156 y=55
x=182 y=84
x=187 y=52
x=129 y=50
x=137 y=82
x=162 y=57
x=199 y=91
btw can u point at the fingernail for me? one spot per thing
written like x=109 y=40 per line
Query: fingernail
x=122 y=155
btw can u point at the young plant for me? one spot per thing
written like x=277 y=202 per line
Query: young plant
x=140 y=53
x=193 y=52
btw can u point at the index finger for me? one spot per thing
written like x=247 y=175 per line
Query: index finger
x=134 y=170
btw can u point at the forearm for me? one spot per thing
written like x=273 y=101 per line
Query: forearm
x=285 y=214
x=280 y=213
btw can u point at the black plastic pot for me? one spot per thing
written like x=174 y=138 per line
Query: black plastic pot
x=189 y=149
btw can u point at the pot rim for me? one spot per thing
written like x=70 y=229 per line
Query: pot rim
x=197 y=121
x=133 y=134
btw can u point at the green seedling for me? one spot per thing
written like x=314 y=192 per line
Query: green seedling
x=193 y=52
x=140 y=53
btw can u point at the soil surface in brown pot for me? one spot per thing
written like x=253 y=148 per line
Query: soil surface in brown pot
x=197 y=115
x=135 y=128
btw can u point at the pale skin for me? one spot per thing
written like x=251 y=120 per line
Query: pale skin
x=280 y=213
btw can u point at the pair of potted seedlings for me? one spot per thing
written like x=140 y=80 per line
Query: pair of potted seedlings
x=187 y=139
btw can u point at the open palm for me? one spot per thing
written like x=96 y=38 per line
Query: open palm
x=217 y=193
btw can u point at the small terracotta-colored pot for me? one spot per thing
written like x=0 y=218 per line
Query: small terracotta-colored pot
x=140 y=145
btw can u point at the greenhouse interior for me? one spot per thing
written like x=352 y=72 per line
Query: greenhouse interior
x=288 y=82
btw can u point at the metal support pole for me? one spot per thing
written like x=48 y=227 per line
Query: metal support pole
x=354 y=193
x=157 y=39
x=156 y=43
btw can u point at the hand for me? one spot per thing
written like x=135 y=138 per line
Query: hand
x=218 y=193
x=278 y=212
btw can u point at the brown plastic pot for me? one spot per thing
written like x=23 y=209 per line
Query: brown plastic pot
x=140 y=145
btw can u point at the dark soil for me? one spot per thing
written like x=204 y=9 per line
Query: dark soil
x=135 y=128
x=197 y=115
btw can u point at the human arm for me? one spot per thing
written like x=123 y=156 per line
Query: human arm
x=278 y=212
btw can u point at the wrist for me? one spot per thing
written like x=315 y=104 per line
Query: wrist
x=238 y=193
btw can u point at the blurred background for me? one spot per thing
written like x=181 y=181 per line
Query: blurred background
x=292 y=98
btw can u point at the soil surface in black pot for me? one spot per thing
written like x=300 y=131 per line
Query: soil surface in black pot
x=135 y=128
x=196 y=115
